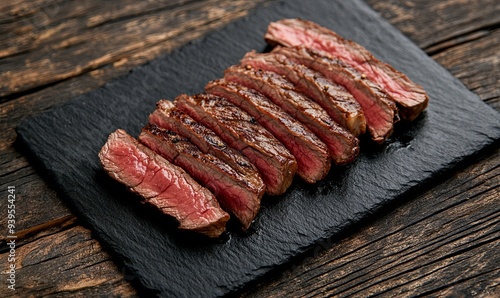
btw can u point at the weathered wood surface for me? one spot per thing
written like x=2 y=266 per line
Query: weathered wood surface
x=444 y=241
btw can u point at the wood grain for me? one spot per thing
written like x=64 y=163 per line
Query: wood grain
x=477 y=65
x=65 y=260
x=64 y=41
x=443 y=241
x=437 y=25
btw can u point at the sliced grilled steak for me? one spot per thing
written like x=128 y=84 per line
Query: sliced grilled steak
x=380 y=112
x=228 y=186
x=309 y=151
x=169 y=117
x=162 y=184
x=275 y=163
x=411 y=97
x=343 y=145
x=338 y=103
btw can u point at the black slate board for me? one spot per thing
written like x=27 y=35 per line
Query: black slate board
x=66 y=140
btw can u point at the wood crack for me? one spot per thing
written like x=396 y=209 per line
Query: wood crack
x=142 y=13
x=16 y=95
x=18 y=184
x=439 y=289
x=456 y=40
x=65 y=222
x=413 y=269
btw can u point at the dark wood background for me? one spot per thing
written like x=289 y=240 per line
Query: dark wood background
x=444 y=241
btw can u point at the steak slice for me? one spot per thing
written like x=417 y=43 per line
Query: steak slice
x=337 y=102
x=309 y=151
x=411 y=97
x=380 y=112
x=228 y=186
x=162 y=184
x=343 y=146
x=169 y=117
x=275 y=163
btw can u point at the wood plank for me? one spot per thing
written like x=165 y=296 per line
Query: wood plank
x=36 y=202
x=429 y=23
x=74 y=45
x=64 y=263
x=477 y=65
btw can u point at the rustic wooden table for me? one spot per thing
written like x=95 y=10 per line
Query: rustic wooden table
x=444 y=241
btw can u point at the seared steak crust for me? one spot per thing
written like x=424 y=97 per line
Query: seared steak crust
x=380 y=112
x=343 y=145
x=411 y=97
x=335 y=99
x=239 y=130
x=169 y=117
x=162 y=184
x=228 y=186
x=309 y=151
